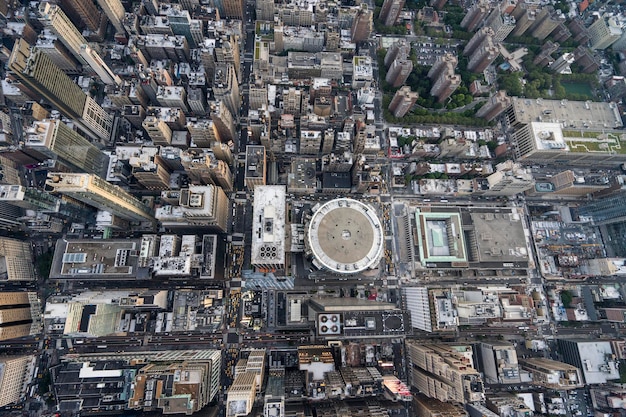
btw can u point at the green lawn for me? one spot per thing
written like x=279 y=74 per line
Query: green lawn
x=578 y=88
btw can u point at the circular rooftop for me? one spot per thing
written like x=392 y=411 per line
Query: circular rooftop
x=346 y=236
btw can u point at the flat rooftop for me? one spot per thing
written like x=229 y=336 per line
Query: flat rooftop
x=255 y=161
x=500 y=236
x=303 y=175
x=570 y=114
x=95 y=259
x=268 y=225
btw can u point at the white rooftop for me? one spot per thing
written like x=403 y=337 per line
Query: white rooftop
x=268 y=228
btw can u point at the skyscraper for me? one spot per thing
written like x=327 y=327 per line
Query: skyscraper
x=226 y=88
x=115 y=12
x=14 y=372
x=604 y=32
x=178 y=382
x=475 y=15
x=445 y=83
x=610 y=214
x=16 y=259
x=497 y=103
x=390 y=11
x=444 y=372
x=96 y=192
x=100 y=67
x=42 y=79
x=39 y=74
x=20 y=314
x=265 y=10
x=402 y=101
x=362 y=24
x=54 y=19
x=87 y=11
x=482 y=57
x=56 y=140
x=224 y=123
x=399 y=71
x=57 y=52
x=232 y=9
x=157 y=130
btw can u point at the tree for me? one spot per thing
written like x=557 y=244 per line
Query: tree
x=566 y=298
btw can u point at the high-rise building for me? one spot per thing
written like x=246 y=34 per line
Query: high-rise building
x=224 y=122
x=265 y=10
x=150 y=169
x=157 y=130
x=204 y=168
x=417 y=302
x=98 y=66
x=479 y=39
x=227 y=52
x=38 y=73
x=496 y=104
x=199 y=206
x=441 y=65
x=56 y=140
x=232 y=9
x=241 y=394
x=610 y=213
x=525 y=17
x=42 y=79
x=604 y=32
x=258 y=97
x=54 y=19
x=96 y=192
x=586 y=59
x=475 y=15
x=14 y=375
x=431 y=407
x=136 y=381
x=203 y=133
x=399 y=71
x=444 y=372
x=547 y=20
x=172 y=96
x=362 y=24
x=445 y=83
x=10 y=217
x=268 y=237
x=562 y=63
x=20 y=314
x=16 y=260
x=483 y=56
x=255 y=171
x=115 y=12
x=553 y=374
x=196 y=98
x=544 y=57
x=390 y=11
x=86 y=11
x=501 y=24
x=399 y=49
x=226 y=88
x=50 y=45
x=403 y=101
x=595 y=358
x=498 y=362
x=179 y=20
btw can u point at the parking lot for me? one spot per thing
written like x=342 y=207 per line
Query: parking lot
x=428 y=49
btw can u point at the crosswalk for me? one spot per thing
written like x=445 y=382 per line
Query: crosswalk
x=258 y=281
